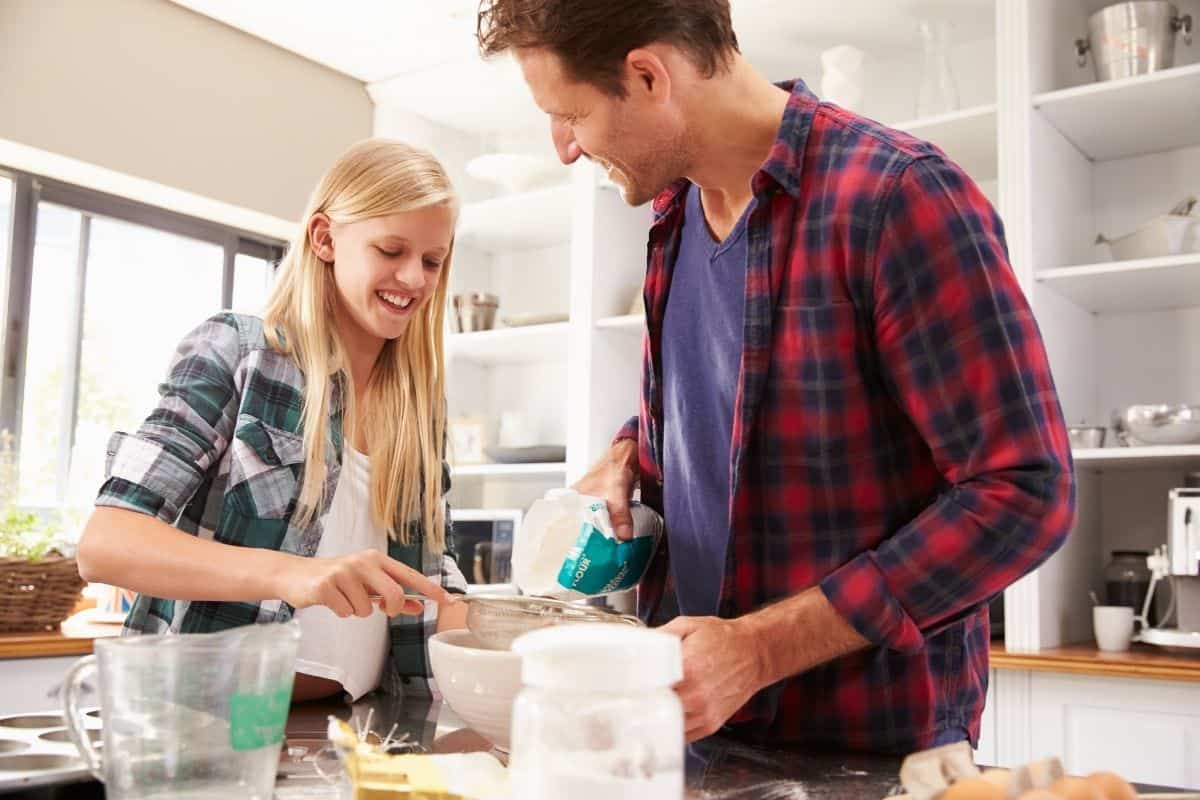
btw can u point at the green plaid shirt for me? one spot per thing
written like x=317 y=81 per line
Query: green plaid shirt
x=222 y=457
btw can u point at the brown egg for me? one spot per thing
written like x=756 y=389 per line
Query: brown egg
x=1039 y=794
x=1112 y=785
x=1076 y=789
x=972 y=789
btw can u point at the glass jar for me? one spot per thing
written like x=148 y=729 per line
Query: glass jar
x=597 y=718
x=938 y=92
x=1126 y=581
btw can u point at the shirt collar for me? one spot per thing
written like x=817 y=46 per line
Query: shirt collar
x=784 y=159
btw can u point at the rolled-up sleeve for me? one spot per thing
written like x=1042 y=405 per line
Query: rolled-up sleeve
x=627 y=431
x=962 y=355
x=157 y=470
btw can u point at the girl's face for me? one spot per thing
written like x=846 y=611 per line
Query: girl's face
x=384 y=269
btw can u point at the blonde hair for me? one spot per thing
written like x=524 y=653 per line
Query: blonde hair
x=405 y=400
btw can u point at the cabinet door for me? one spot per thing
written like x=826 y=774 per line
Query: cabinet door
x=1148 y=731
x=25 y=684
x=985 y=754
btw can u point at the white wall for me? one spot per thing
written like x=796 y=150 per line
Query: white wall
x=151 y=89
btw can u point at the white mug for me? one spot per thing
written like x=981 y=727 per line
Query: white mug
x=1113 y=626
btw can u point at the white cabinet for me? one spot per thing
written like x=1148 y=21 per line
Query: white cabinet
x=25 y=683
x=986 y=753
x=1148 y=731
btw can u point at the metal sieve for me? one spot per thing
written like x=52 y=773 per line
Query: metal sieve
x=496 y=620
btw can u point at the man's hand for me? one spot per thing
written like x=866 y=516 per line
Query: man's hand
x=613 y=478
x=722 y=669
x=725 y=661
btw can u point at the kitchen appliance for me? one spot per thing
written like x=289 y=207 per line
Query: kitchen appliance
x=1178 y=563
x=475 y=311
x=482 y=540
x=1128 y=39
x=1127 y=580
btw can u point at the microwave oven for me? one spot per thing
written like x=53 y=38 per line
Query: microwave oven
x=482 y=541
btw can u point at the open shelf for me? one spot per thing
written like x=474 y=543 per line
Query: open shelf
x=512 y=345
x=1128 y=117
x=509 y=471
x=629 y=323
x=968 y=137
x=1150 y=457
x=522 y=221
x=1148 y=284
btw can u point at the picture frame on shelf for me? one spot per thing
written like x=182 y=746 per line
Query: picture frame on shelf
x=468 y=436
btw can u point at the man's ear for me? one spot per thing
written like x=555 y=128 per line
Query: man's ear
x=646 y=72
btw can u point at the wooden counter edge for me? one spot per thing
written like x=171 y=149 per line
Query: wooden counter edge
x=43 y=645
x=1142 y=662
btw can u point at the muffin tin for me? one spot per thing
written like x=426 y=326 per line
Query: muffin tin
x=36 y=750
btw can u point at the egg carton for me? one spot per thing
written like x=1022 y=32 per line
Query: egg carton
x=36 y=750
x=933 y=775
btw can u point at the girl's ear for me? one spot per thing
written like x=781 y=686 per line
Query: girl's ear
x=320 y=237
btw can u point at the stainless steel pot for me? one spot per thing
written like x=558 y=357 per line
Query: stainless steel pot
x=1157 y=424
x=1086 y=436
x=475 y=311
x=1133 y=38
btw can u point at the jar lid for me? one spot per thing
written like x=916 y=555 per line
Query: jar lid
x=597 y=657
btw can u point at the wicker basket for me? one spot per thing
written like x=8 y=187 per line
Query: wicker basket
x=37 y=595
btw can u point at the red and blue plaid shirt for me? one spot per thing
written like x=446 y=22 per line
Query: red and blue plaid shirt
x=897 y=437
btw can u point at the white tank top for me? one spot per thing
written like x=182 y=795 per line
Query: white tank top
x=350 y=651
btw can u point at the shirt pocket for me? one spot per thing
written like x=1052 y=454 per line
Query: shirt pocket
x=264 y=469
x=818 y=391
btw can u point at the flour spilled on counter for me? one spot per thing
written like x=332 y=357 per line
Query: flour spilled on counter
x=771 y=790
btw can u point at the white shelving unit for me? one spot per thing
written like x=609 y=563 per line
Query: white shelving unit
x=533 y=343
x=522 y=221
x=1148 y=284
x=1129 y=458
x=1116 y=119
x=968 y=137
x=626 y=323
x=508 y=471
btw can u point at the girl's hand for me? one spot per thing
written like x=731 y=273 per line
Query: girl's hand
x=347 y=585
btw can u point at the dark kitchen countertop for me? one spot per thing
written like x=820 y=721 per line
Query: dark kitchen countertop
x=719 y=768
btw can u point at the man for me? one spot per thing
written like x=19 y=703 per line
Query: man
x=847 y=416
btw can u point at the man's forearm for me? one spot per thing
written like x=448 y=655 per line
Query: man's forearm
x=799 y=633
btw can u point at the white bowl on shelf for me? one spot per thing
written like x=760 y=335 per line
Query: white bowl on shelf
x=1166 y=235
x=517 y=172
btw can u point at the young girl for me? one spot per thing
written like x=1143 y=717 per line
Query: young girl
x=294 y=463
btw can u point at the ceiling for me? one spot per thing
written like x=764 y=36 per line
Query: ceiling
x=423 y=51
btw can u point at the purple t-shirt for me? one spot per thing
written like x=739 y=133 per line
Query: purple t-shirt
x=702 y=354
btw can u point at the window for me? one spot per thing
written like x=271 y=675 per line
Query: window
x=6 y=195
x=252 y=280
x=101 y=301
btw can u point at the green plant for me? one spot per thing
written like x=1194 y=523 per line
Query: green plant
x=23 y=534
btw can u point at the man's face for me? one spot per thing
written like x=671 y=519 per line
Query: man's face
x=637 y=140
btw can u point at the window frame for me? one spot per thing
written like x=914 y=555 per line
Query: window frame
x=28 y=190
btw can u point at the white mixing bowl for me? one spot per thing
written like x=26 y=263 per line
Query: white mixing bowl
x=480 y=685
